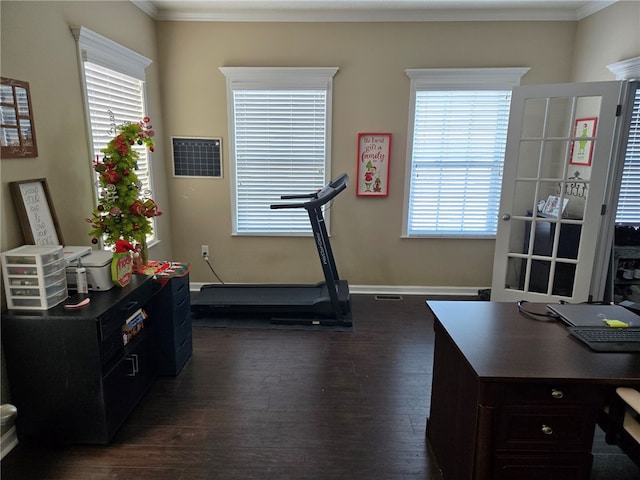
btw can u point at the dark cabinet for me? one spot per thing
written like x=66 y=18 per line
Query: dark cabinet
x=171 y=314
x=71 y=375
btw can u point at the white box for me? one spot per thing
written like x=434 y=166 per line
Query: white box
x=98 y=266
x=34 y=277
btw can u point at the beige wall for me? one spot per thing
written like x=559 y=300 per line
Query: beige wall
x=371 y=93
x=609 y=36
x=38 y=47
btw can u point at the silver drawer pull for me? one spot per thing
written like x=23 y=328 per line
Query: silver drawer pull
x=547 y=430
x=557 y=393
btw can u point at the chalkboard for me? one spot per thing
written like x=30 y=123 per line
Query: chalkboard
x=197 y=157
x=35 y=212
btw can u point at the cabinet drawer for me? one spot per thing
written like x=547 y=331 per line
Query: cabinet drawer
x=543 y=467
x=182 y=310
x=539 y=427
x=183 y=351
x=179 y=288
x=552 y=394
x=111 y=320
x=183 y=329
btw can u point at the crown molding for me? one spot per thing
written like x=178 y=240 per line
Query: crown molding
x=367 y=11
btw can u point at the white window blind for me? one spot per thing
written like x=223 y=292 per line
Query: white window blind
x=458 y=152
x=280 y=127
x=114 y=99
x=280 y=148
x=457 y=136
x=628 y=212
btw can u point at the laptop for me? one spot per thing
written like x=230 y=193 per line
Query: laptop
x=586 y=322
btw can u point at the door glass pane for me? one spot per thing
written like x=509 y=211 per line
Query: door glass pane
x=558 y=120
x=515 y=273
x=519 y=239
x=525 y=198
x=533 y=118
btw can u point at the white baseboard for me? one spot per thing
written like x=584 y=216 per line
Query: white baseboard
x=8 y=441
x=393 y=290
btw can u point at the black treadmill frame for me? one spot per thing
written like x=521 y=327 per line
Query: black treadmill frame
x=337 y=289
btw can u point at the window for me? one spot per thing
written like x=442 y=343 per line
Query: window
x=457 y=133
x=114 y=79
x=628 y=212
x=279 y=124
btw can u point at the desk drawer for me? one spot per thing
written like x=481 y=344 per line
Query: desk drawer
x=552 y=394
x=544 y=428
x=547 y=467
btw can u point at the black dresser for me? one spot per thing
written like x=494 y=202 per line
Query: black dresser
x=73 y=377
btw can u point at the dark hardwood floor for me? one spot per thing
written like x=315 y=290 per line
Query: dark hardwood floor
x=282 y=404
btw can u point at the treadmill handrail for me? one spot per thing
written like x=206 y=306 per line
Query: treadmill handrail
x=318 y=198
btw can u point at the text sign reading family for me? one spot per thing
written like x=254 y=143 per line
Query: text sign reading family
x=38 y=213
x=373 y=164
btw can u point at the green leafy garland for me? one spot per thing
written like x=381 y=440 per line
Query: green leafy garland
x=122 y=212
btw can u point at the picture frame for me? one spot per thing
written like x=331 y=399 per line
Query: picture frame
x=374 y=152
x=36 y=214
x=18 y=133
x=582 y=150
x=552 y=206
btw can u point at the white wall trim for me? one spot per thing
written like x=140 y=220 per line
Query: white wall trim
x=390 y=289
x=8 y=441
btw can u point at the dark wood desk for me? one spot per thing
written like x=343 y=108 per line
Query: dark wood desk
x=514 y=398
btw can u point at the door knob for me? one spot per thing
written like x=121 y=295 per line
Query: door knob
x=506 y=216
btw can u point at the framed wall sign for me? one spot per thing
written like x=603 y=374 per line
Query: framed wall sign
x=582 y=150
x=374 y=151
x=35 y=212
x=18 y=135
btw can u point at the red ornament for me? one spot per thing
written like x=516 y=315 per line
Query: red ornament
x=111 y=176
x=94 y=241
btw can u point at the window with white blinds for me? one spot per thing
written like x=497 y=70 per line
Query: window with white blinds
x=458 y=135
x=628 y=212
x=115 y=99
x=114 y=80
x=280 y=127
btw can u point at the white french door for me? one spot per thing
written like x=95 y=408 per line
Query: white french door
x=559 y=161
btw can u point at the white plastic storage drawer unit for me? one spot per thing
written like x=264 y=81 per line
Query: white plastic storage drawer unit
x=34 y=277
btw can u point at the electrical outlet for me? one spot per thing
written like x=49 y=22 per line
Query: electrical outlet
x=205 y=250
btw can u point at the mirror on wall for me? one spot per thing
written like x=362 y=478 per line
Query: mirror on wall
x=17 y=132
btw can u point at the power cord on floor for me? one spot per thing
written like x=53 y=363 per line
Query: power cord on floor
x=206 y=259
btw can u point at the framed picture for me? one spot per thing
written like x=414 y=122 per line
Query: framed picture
x=374 y=151
x=552 y=206
x=582 y=149
x=17 y=132
x=36 y=215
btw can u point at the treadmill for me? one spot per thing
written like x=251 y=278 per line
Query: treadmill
x=325 y=303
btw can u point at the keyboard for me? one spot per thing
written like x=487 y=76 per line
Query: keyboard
x=605 y=339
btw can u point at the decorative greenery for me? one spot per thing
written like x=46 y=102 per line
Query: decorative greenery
x=123 y=211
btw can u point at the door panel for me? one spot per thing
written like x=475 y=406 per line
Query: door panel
x=557 y=161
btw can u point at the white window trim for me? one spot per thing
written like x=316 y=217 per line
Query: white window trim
x=450 y=79
x=290 y=78
x=626 y=69
x=94 y=48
